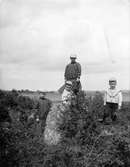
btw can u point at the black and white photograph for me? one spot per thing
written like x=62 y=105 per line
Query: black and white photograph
x=64 y=83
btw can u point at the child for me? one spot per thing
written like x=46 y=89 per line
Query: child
x=67 y=93
x=112 y=100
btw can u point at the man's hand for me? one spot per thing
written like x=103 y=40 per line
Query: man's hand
x=78 y=79
x=119 y=107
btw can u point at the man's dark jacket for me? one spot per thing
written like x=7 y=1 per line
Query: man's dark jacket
x=72 y=71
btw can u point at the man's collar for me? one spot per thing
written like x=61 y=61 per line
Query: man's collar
x=112 y=89
x=73 y=62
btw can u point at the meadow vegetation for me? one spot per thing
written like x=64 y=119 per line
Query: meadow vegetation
x=85 y=141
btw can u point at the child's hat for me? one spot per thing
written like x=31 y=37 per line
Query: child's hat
x=112 y=79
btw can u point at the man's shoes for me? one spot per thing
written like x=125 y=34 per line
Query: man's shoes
x=100 y=120
x=103 y=121
x=106 y=123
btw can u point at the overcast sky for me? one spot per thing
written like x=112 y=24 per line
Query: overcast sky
x=38 y=36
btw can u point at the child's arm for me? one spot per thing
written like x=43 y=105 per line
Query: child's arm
x=120 y=100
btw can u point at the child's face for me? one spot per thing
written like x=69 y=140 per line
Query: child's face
x=112 y=84
x=68 y=89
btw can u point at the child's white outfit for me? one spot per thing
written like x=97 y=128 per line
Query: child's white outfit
x=113 y=96
x=112 y=102
x=66 y=96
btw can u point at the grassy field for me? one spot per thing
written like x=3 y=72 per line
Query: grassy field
x=56 y=96
x=86 y=142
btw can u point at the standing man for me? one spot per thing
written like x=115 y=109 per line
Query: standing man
x=112 y=100
x=73 y=73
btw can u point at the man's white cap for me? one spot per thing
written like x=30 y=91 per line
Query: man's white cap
x=73 y=56
x=112 y=79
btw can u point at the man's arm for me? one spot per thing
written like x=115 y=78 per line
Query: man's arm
x=79 y=70
x=65 y=74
